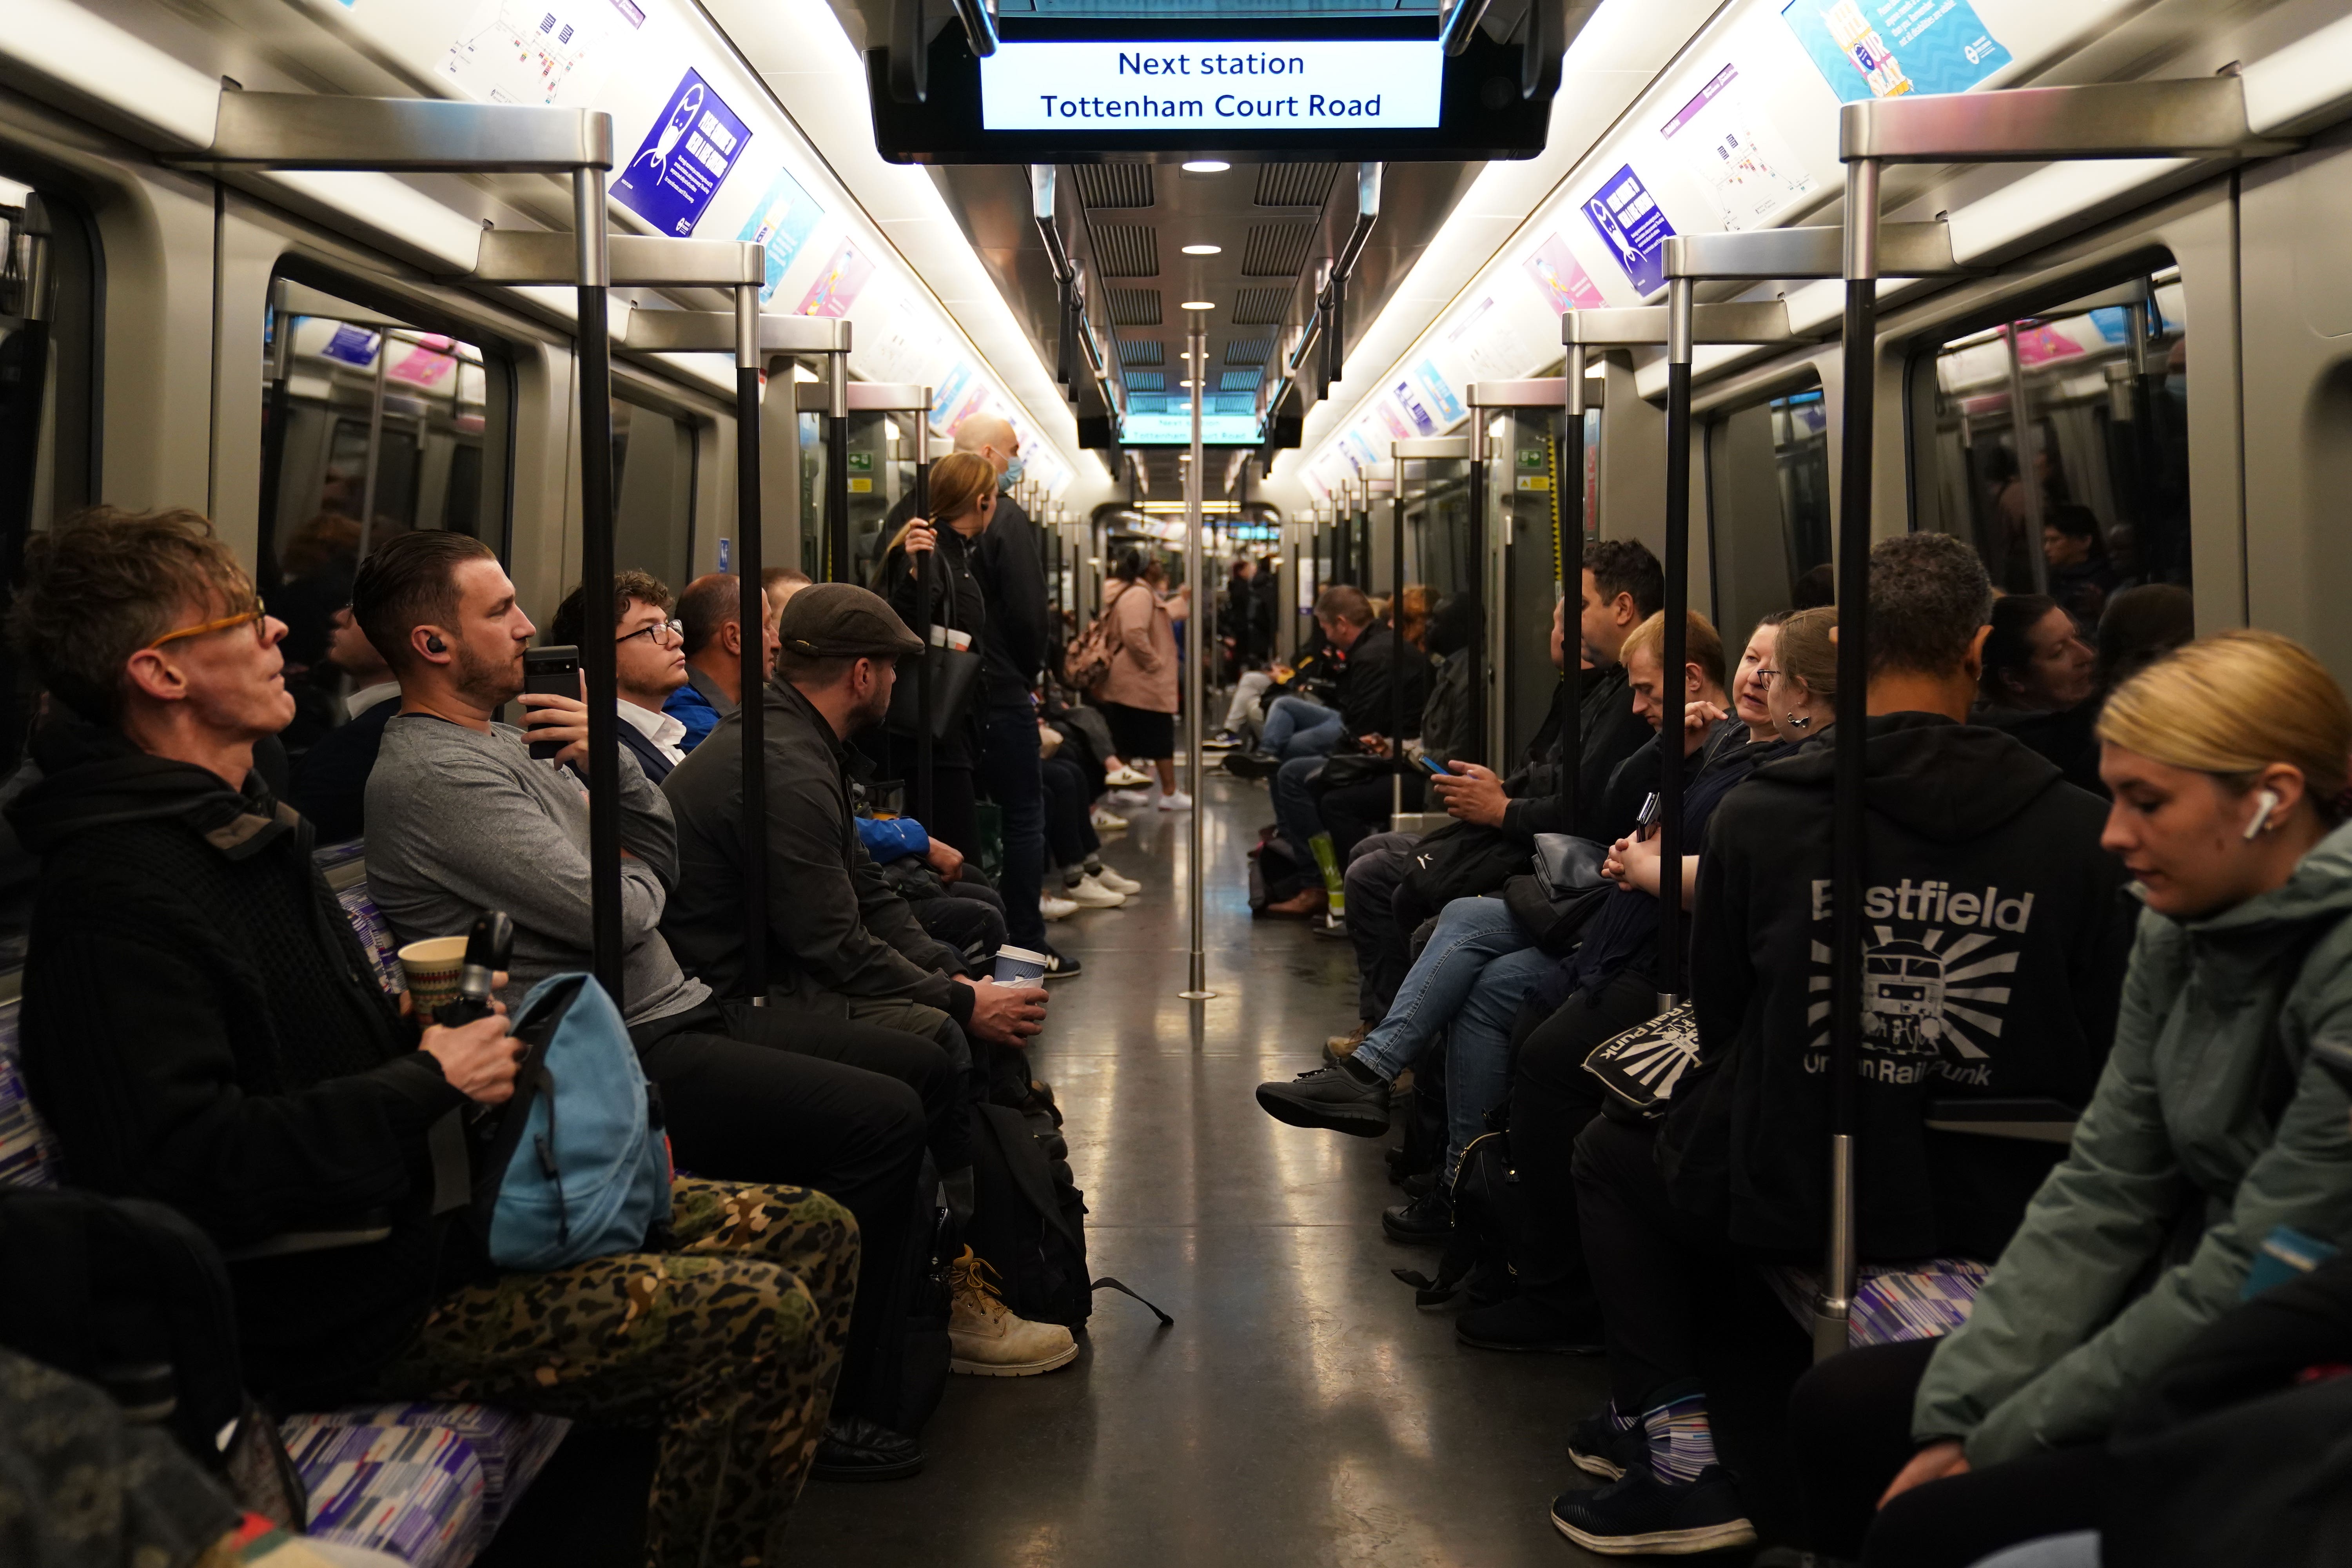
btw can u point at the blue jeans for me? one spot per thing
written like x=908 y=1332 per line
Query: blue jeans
x=1009 y=772
x=1298 y=728
x=1476 y=969
x=1294 y=802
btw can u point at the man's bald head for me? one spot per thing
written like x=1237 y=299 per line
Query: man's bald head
x=992 y=436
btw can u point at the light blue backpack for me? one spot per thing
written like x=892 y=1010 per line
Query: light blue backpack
x=576 y=1167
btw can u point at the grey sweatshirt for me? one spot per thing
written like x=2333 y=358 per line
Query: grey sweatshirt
x=459 y=821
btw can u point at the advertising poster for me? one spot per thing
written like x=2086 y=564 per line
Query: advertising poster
x=694 y=142
x=1885 y=48
x=945 y=396
x=1634 y=228
x=1562 y=281
x=351 y=345
x=1398 y=428
x=1448 y=407
x=837 y=286
x=1735 y=154
x=1416 y=405
x=1359 y=448
x=426 y=363
x=782 y=221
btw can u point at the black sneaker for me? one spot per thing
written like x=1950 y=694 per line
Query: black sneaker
x=1252 y=764
x=1345 y=1098
x=1641 y=1515
x=859 y=1448
x=1059 y=966
x=1426 y=1221
x=1518 y=1325
x=1598 y=1447
x=1329 y=925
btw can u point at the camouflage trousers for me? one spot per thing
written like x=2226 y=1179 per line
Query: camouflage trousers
x=730 y=1343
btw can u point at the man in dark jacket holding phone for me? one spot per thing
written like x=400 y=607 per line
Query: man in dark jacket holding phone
x=202 y=1029
x=1997 y=940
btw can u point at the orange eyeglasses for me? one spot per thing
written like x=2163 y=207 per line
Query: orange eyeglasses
x=254 y=617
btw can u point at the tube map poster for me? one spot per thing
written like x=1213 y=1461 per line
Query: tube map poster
x=1885 y=49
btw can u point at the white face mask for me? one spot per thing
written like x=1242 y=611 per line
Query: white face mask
x=1011 y=474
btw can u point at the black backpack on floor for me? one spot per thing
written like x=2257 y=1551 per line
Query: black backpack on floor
x=1277 y=872
x=1028 y=1219
x=1490 y=1227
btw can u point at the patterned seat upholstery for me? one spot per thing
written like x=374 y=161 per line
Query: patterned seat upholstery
x=1895 y=1303
x=427 y=1483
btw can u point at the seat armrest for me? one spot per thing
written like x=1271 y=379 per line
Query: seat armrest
x=363 y=1230
x=2031 y=1121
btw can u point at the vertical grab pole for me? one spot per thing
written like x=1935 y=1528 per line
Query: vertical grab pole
x=1674 y=652
x=1486 y=583
x=925 y=763
x=1849 y=849
x=273 y=438
x=1568 y=572
x=597 y=650
x=1196 y=648
x=839 y=567
x=752 y=612
x=1396 y=635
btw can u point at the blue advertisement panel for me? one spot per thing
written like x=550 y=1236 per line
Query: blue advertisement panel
x=1885 y=49
x=692 y=145
x=1634 y=228
x=782 y=221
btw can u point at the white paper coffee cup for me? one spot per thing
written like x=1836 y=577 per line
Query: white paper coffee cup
x=1019 y=966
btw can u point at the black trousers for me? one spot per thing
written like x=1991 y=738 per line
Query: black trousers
x=754 y=1094
x=1353 y=812
x=1652 y=1265
x=1553 y=1100
x=1009 y=768
x=1069 y=832
x=1382 y=951
x=971 y=920
x=1850 y=1430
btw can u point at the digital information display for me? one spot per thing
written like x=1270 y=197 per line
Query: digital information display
x=1176 y=430
x=1298 y=84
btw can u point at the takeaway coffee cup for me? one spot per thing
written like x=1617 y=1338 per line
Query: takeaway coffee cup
x=1019 y=966
x=432 y=966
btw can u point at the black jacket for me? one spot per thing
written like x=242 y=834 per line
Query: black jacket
x=1367 y=699
x=1998 y=938
x=833 y=925
x=331 y=779
x=1607 y=733
x=201 y=1028
x=952 y=599
x=1007 y=563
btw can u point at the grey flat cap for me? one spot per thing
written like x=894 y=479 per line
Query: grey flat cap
x=842 y=620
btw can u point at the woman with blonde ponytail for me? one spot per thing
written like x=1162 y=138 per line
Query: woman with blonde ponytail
x=2213 y=1129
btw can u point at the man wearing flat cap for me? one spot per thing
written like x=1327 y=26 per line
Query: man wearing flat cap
x=841 y=943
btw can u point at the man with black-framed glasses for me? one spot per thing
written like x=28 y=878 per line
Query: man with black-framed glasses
x=648 y=664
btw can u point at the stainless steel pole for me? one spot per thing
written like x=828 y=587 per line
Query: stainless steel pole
x=1196 y=648
x=752 y=627
x=1673 y=656
x=597 y=651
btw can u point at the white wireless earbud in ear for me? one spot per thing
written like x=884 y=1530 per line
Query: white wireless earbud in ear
x=2265 y=804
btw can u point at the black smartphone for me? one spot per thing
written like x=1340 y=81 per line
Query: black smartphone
x=555 y=672
x=1648 y=815
x=1434 y=768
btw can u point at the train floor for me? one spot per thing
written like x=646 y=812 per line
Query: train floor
x=1302 y=1410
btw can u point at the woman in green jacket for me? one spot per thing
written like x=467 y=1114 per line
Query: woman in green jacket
x=2211 y=1129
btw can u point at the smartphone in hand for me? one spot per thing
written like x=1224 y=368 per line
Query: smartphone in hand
x=553 y=672
x=1434 y=768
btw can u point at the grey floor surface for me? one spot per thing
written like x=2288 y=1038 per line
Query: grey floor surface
x=1302 y=1410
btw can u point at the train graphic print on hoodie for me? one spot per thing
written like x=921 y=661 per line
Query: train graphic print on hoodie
x=1995 y=938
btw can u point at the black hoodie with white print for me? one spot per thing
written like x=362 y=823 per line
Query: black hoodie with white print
x=1997 y=932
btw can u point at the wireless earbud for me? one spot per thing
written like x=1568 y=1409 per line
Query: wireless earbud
x=2265 y=803
x=435 y=645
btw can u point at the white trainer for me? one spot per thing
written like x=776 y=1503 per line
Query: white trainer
x=1125 y=778
x=985 y=1338
x=1056 y=908
x=1105 y=820
x=1090 y=894
x=1179 y=801
x=1115 y=882
x=1130 y=796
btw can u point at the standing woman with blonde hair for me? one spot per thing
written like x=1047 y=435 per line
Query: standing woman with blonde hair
x=2211 y=1129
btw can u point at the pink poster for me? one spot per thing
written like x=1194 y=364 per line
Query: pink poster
x=1393 y=420
x=2040 y=344
x=837 y=286
x=425 y=364
x=1561 y=282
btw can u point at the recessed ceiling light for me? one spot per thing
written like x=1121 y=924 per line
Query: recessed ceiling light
x=1206 y=167
x=1198 y=305
x=1183 y=383
x=1203 y=249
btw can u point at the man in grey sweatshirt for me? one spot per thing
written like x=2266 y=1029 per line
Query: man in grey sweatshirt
x=462 y=818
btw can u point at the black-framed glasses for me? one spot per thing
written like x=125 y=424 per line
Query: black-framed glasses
x=661 y=633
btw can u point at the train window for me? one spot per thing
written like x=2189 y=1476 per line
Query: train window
x=371 y=426
x=653 y=490
x=2094 y=496
x=1767 y=507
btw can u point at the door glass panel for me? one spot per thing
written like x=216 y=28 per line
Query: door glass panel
x=2093 y=497
x=1524 y=501
x=653 y=492
x=1767 y=478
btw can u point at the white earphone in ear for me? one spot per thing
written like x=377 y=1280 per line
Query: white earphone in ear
x=2265 y=803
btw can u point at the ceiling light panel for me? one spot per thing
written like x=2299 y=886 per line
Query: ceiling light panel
x=1203 y=249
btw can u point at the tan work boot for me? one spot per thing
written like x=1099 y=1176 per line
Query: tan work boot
x=1340 y=1046
x=986 y=1340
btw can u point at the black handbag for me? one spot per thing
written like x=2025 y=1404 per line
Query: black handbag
x=1641 y=1067
x=1458 y=860
x=1350 y=768
x=1552 y=902
x=954 y=674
